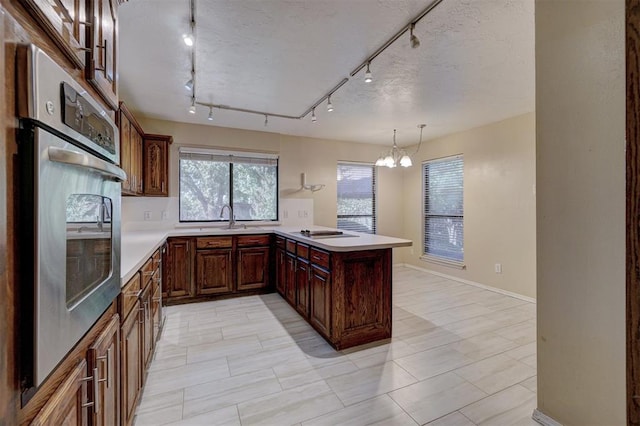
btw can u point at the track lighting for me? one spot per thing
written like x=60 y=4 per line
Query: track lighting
x=192 y=108
x=313 y=116
x=329 y=104
x=413 y=40
x=210 y=117
x=188 y=39
x=368 y=78
x=189 y=85
x=266 y=120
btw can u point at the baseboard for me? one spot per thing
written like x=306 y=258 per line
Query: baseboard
x=543 y=419
x=473 y=283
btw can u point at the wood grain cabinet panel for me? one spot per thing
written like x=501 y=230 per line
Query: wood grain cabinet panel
x=302 y=287
x=101 y=71
x=156 y=165
x=125 y=150
x=104 y=358
x=253 y=268
x=214 y=271
x=178 y=269
x=320 y=301
x=290 y=279
x=146 y=321
x=65 y=407
x=281 y=275
x=130 y=358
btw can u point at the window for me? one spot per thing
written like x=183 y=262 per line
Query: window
x=210 y=179
x=443 y=208
x=357 y=197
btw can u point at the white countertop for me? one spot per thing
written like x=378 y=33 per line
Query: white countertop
x=138 y=246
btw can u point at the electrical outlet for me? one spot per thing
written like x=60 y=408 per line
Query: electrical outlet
x=306 y=213
x=147 y=215
x=498 y=268
x=165 y=215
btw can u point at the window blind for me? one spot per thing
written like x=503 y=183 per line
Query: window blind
x=443 y=208
x=357 y=197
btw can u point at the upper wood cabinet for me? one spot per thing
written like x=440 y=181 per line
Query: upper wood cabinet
x=101 y=71
x=131 y=137
x=156 y=165
x=65 y=21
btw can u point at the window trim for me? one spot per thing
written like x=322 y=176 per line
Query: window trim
x=428 y=257
x=230 y=153
x=374 y=216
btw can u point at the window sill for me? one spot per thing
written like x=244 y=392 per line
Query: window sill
x=444 y=262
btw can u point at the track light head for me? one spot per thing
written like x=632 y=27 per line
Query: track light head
x=189 y=85
x=313 y=116
x=188 y=39
x=266 y=120
x=192 y=108
x=329 y=104
x=413 y=39
x=368 y=78
x=210 y=117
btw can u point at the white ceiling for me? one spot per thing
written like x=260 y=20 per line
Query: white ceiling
x=475 y=64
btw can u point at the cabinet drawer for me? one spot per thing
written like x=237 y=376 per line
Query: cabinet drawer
x=291 y=246
x=320 y=258
x=214 y=242
x=147 y=272
x=253 y=240
x=303 y=251
x=129 y=296
x=280 y=242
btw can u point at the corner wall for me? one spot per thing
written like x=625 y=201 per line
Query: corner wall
x=580 y=96
x=499 y=203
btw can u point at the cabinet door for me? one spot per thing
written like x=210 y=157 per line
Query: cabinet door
x=156 y=312
x=130 y=359
x=302 y=287
x=253 y=268
x=177 y=280
x=65 y=22
x=147 y=329
x=290 y=279
x=320 y=300
x=214 y=271
x=65 y=407
x=136 y=160
x=104 y=357
x=281 y=271
x=125 y=151
x=101 y=71
x=156 y=165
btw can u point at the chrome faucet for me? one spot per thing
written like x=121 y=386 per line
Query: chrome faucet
x=232 y=218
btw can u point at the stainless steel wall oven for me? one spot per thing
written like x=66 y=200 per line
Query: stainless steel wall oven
x=69 y=213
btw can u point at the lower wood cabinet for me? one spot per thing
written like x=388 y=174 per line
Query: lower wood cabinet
x=253 y=268
x=290 y=278
x=214 y=271
x=67 y=404
x=320 y=300
x=131 y=355
x=281 y=258
x=178 y=269
x=147 y=327
x=104 y=361
x=302 y=287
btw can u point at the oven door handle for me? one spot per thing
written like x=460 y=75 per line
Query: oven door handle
x=61 y=155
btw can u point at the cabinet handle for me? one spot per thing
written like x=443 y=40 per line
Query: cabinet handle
x=135 y=294
x=96 y=389
x=142 y=311
x=107 y=359
x=162 y=186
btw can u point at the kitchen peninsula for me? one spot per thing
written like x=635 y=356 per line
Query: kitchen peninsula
x=341 y=285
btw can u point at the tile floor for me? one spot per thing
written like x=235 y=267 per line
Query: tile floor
x=460 y=355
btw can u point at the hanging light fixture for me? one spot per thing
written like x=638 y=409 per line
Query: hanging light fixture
x=192 y=108
x=210 y=117
x=329 y=104
x=313 y=116
x=413 y=40
x=266 y=120
x=189 y=85
x=368 y=78
x=397 y=156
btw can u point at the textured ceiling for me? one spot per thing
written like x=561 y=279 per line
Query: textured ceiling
x=475 y=64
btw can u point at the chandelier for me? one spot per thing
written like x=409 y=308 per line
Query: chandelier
x=398 y=156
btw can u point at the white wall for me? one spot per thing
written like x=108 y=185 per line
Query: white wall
x=499 y=203
x=580 y=91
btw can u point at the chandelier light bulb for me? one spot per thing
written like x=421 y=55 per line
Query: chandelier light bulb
x=380 y=161
x=405 y=161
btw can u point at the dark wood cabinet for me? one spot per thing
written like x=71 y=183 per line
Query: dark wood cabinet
x=290 y=278
x=281 y=275
x=136 y=162
x=65 y=406
x=65 y=21
x=104 y=360
x=214 y=271
x=253 y=268
x=130 y=356
x=320 y=301
x=156 y=165
x=125 y=150
x=101 y=71
x=302 y=287
x=146 y=321
x=131 y=138
x=178 y=269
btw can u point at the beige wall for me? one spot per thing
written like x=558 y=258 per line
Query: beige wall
x=499 y=203
x=580 y=90
x=316 y=157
